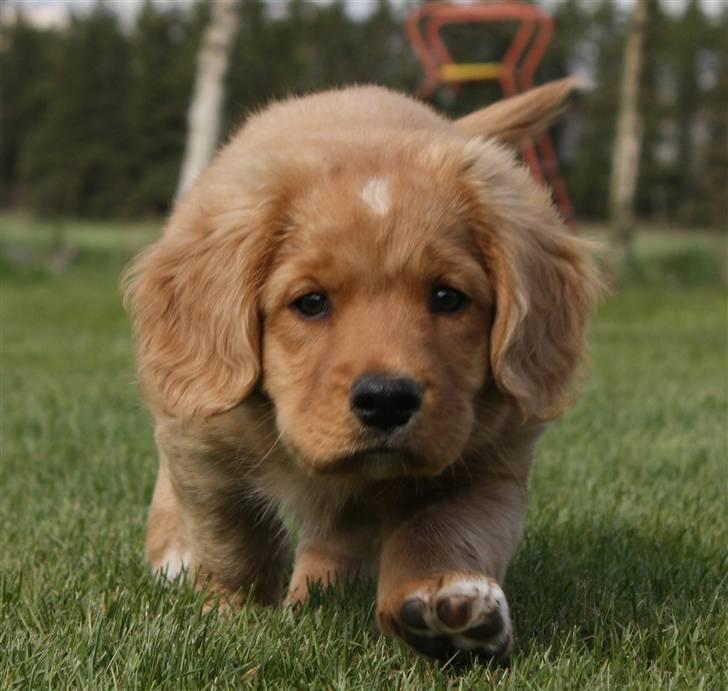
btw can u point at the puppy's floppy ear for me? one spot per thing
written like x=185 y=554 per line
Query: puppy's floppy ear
x=193 y=297
x=519 y=117
x=544 y=278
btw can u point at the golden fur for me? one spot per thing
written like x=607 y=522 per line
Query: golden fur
x=372 y=198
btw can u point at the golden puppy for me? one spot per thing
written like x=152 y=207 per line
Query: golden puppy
x=361 y=317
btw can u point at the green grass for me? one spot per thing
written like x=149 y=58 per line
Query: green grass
x=620 y=582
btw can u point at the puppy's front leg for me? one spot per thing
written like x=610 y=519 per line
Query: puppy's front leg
x=322 y=562
x=333 y=557
x=202 y=518
x=440 y=572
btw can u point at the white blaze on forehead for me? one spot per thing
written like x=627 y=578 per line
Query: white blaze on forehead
x=375 y=194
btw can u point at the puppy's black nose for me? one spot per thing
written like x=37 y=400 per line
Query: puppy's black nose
x=384 y=401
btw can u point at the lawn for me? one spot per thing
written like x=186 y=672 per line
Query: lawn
x=620 y=582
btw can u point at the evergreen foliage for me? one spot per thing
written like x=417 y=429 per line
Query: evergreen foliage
x=75 y=157
x=24 y=61
x=93 y=115
x=162 y=64
x=601 y=38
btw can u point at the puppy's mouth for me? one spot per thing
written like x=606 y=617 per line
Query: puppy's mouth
x=374 y=462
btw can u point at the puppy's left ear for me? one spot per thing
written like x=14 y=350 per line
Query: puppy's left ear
x=544 y=278
x=519 y=117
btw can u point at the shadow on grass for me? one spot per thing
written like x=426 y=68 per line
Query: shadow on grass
x=597 y=586
x=591 y=588
x=600 y=591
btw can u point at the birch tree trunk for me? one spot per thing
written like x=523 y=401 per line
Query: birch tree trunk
x=625 y=155
x=205 y=113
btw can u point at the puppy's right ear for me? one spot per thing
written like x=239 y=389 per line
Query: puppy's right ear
x=519 y=117
x=193 y=298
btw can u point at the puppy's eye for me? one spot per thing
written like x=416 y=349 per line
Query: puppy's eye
x=446 y=300
x=312 y=305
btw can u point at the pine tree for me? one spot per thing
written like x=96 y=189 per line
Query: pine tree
x=388 y=58
x=655 y=105
x=717 y=119
x=24 y=64
x=75 y=161
x=588 y=177
x=249 y=82
x=687 y=39
x=162 y=51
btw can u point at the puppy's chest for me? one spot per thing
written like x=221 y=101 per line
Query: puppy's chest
x=321 y=504
x=314 y=503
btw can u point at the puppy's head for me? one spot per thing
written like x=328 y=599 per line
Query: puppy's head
x=373 y=292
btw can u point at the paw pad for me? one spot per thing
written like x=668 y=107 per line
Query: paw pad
x=456 y=615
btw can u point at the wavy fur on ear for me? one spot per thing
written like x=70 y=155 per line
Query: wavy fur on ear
x=544 y=277
x=519 y=117
x=193 y=297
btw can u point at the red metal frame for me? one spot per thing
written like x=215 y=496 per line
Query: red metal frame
x=535 y=30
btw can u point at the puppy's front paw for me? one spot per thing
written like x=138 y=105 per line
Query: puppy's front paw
x=452 y=614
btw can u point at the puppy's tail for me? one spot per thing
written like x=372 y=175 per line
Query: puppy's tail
x=522 y=116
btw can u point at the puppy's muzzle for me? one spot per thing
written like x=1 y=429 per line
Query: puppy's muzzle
x=384 y=402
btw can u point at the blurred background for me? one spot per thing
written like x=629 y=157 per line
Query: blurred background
x=95 y=95
x=109 y=109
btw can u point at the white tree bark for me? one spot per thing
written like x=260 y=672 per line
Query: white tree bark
x=205 y=113
x=626 y=152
